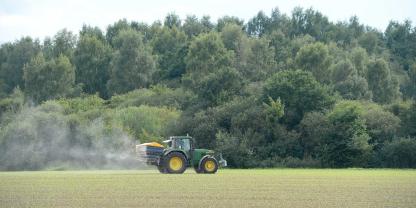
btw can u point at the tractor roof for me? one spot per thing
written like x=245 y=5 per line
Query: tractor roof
x=180 y=137
x=177 y=137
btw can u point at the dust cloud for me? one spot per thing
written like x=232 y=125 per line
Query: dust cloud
x=45 y=138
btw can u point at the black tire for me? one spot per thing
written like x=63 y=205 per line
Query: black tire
x=167 y=162
x=198 y=170
x=161 y=166
x=161 y=169
x=206 y=169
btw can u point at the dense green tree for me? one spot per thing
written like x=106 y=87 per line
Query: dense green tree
x=282 y=48
x=315 y=129
x=172 y=20
x=380 y=81
x=170 y=45
x=314 y=58
x=209 y=61
x=253 y=58
x=220 y=86
x=278 y=22
x=258 y=25
x=233 y=144
x=401 y=40
x=148 y=31
x=226 y=20
x=46 y=80
x=382 y=126
x=274 y=110
x=400 y=153
x=238 y=113
x=233 y=37
x=236 y=40
x=114 y=29
x=309 y=22
x=299 y=92
x=92 y=31
x=355 y=28
x=260 y=60
x=347 y=143
x=409 y=89
x=409 y=120
x=91 y=60
x=342 y=70
x=359 y=59
x=354 y=88
x=13 y=57
x=348 y=83
x=64 y=43
x=206 y=55
x=132 y=65
x=370 y=41
x=297 y=43
x=47 y=47
x=406 y=112
x=206 y=22
x=192 y=26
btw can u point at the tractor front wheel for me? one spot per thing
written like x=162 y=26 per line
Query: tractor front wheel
x=175 y=162
x=198 y=170
x=209 y=165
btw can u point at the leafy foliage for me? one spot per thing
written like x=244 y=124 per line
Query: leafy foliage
x=91 y=59
x=300 y=93
x=347 y=144
x=279 y=90
x=48 y=79
x=132 y=65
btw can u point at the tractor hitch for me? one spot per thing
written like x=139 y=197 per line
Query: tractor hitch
x=222 y=161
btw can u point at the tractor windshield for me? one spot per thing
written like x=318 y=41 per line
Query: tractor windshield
x=183 y=144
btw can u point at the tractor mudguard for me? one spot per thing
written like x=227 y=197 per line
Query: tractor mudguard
x=170 y=151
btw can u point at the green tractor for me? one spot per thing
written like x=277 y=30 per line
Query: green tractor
x=179 y=154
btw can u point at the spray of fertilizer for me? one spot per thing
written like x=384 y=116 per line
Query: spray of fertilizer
x=44 y=138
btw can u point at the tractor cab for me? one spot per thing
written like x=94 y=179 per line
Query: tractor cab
x=184 y=143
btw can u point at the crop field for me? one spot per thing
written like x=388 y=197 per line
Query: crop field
x=227 y=188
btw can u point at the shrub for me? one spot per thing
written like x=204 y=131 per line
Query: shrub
x=400 y=153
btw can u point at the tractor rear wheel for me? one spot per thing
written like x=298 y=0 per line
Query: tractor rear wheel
x=161 y=169
x=209 y=165
x=161 y=166
x=175 y=162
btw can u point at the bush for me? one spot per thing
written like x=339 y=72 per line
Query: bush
x=400 y=153
x=81 y=104
x=347 y=143
x=293 y=162
x=146 y=123
x=155 y=96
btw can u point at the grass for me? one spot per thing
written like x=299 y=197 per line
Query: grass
x=227 y=188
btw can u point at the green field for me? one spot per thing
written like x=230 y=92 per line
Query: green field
x=227 y=188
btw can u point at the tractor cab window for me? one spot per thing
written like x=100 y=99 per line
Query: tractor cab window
x=168 y=143
x=183 y=144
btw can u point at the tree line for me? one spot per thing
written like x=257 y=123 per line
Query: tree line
x=278 y=90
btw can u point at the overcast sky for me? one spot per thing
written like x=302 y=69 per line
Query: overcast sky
x=40 y=18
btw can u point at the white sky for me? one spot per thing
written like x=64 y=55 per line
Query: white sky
x=40 y=18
